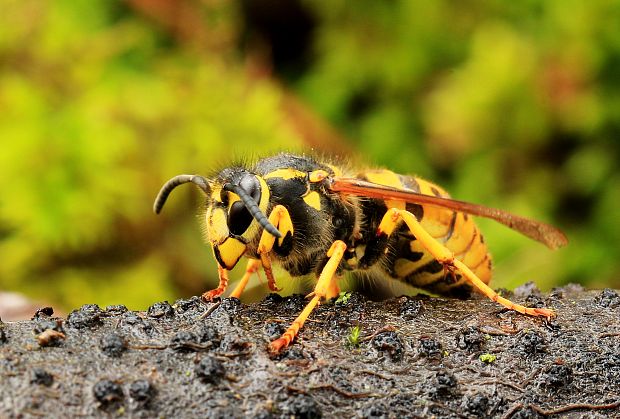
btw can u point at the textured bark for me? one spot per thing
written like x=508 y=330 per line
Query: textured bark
x=415 y=357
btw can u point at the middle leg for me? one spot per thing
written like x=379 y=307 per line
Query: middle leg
x=323 y=287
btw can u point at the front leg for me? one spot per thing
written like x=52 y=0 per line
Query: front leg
x=213 y=294
x=281 y=219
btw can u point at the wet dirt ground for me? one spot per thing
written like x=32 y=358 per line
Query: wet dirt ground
x=413 y=357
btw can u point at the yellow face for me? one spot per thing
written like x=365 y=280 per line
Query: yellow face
x=230 y=226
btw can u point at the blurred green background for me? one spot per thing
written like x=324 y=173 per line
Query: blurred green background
x=509 y=104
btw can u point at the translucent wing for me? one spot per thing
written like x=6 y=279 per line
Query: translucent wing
x=541 y=232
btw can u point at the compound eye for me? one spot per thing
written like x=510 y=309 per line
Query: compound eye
x=239 y=218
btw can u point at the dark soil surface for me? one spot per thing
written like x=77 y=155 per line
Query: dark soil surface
x=414 y=357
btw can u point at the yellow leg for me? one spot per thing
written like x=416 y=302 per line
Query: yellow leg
x=251 y=268
x=333 y=290
x=281 y=219
x=211 y=295
x=322 y=288
x=445 y=256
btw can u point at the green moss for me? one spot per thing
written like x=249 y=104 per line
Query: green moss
x=487 y=358
x=354 y=336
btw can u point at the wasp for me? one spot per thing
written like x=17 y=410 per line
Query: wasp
x=312 y=217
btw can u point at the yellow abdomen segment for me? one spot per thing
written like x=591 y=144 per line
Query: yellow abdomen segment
x=455 y=230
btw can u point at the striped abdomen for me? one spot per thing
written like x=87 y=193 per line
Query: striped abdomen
x=407 y=260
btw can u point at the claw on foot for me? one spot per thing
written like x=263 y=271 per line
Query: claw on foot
x=211 y=295
x=549 y=314
x=277 y=345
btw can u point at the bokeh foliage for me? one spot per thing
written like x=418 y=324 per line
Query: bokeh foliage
x=510 y=104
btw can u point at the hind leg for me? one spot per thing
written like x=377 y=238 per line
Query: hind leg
x=391 y=219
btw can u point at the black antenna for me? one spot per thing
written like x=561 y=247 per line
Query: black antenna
x=173 y=183
x=253 y=209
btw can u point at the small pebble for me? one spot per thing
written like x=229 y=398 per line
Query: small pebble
x=390 y=343
x=230 y=305
x=89 y=315
x=210 y=370
x=42 y=325
x=116 y=309
x=48 y=332
x=209 y=335
x=43 y=312
x=113 y=344
x=608 y=298
x=273 y=299
x=470 y=338
x=410 y=309
x=527 y=413
x=162 y=309
x=273 y=330
x=304 y=406
x=558 y=376
x=430 y=348
x=445 y=384
x=41 y=377
x=477 y=405
x=108 y=393
x=532 y=342
x=184 y=341
x=142 y=391
x=526 y=290
x=181 y=305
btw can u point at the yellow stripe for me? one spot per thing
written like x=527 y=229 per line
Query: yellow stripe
x=384 y=177
x=285 y=174
x=314 y=200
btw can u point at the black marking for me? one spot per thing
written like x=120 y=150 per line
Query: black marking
x=441 y=283
x=218 y=256
x=462 y=291
x=417 y=210
x=451 y=227
x=285 y=248
x=431 y=267
x=402 y=248
x=321 y=265
x=477 y=265
x=471 y=242
x=436 y=192
x=450 y=278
